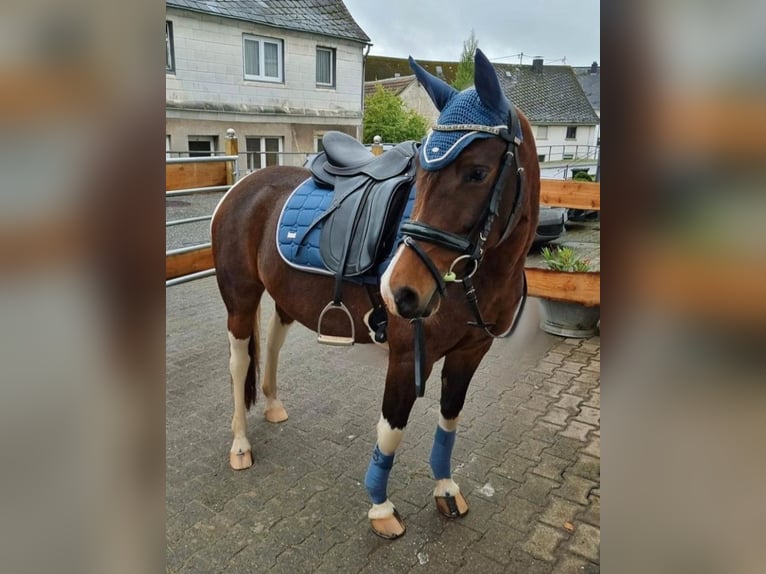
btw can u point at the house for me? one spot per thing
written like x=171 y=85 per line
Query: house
x=590 y=81
x=280 y=73
x=563 y=120
x=410 y=91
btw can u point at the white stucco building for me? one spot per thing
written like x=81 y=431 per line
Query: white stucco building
x=281 y=73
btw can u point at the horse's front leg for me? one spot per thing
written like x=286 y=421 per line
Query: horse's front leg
x=459 y=368
x=398 y=398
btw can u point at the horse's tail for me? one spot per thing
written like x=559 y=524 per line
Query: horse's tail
x=254 y=368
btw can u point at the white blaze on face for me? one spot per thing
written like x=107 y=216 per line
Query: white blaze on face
x=385 y=283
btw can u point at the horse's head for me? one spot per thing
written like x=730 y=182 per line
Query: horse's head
x=466 y=190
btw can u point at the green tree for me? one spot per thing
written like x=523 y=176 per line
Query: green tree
x=386 y=116
x=464 y=73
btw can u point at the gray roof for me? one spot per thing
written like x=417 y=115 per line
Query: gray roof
x=553 y=96
x=590 y=80
x=327 y=17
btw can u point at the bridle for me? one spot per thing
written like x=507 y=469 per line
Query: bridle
x=471 y=247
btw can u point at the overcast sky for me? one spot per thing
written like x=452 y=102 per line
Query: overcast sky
x=436 y=29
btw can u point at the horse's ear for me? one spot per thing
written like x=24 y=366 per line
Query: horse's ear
x=487 y=84
x=440 y=91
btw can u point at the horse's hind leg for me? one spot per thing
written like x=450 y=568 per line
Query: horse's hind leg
x=278 y=326
x=459 y=368
x=243 y=366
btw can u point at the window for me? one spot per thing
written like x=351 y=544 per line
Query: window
x=263 y=58
x=318 y=145
x=567 y=156
x=571 y=133
x=167 y=145
x=325 y=67
x=541 y=157
x=542 y=132
x=263 y=152
x=170 y=57
x=201 y=146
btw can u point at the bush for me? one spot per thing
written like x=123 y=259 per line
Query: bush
x=583 y=176
x=386 y=116
x=564 y=259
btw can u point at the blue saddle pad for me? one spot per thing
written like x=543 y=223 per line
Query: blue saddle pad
x=300 y=249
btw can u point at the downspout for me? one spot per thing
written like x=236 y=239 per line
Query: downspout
x=360 y=132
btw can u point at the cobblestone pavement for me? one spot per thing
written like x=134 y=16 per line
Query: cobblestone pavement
x=527 y=458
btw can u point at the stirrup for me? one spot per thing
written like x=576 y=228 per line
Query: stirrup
x=335 y=340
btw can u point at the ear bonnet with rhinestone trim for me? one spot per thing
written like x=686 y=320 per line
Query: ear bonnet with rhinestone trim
x=475 y=113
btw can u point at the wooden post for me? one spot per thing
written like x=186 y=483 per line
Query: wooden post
x=232 y=148
x=377 y=146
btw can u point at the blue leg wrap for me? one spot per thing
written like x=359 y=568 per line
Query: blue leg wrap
x=441 y=453
x=376 y=479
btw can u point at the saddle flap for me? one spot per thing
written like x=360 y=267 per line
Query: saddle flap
x=368 y=218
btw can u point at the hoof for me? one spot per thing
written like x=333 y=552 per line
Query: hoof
x=276 y=414
x=241 y=460
x=452 y=506
x=390 y=527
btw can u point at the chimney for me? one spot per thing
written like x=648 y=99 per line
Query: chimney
x=537 y=65
x=594 y=68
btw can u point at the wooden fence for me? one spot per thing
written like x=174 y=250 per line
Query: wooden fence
x=575 y=287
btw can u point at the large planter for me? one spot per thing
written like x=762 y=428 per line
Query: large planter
x=569 y=319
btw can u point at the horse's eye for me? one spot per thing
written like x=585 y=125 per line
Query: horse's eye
x=476 y=174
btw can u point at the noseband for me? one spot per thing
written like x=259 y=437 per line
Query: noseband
x=471 y=248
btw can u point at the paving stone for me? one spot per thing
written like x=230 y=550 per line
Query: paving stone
x=544 y=431
x=551 y=388
x=592 y=514
x=589 y=415
x=565 y=447
x=562 y=377
x=594 y=447
x=569 y=367
x=556 y=416
x=545 y=367
x=530 y=448
x=538 y=403
x=572 y=564
x=303 y=505
x=551 y=467
x=577 y=430
x=585 y=542
x=588 y=377
x=588 y=467
x=594 y=400
x=514 y=467
x=575 y=488
x=475 y=562
x=536 y=489
x=498 y=541
x=518 y=513
x=559 y=511
x=578 y=356
x=542 y=542
x=555 y=357
x=570 y=403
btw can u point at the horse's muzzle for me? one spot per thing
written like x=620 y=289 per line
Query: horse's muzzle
x=409 y=306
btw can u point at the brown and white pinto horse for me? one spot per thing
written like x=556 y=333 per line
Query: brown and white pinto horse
x=475 y=210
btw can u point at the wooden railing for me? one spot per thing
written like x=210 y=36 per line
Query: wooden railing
x=575 y=287
x=582 y=288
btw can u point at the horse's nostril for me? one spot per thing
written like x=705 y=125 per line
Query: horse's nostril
x=406 y=302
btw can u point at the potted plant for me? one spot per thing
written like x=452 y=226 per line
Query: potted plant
x=565 y=318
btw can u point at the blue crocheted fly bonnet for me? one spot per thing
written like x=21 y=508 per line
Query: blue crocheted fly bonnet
x=465 y=116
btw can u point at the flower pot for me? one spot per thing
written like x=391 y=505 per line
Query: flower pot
x=569 y=319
